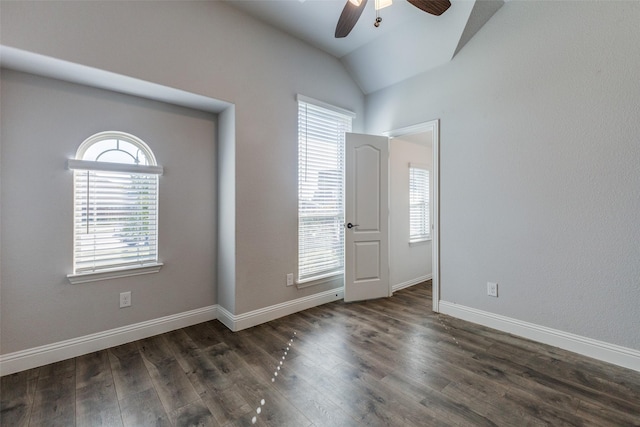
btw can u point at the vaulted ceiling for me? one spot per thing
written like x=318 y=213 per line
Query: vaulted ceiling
x=407 y=43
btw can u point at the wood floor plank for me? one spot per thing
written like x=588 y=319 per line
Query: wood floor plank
x=203 y=373
x=15 y=412
x=588 y=379
x=309 y=346
x=155 y=349
x=602 y=415
x=537 y=408
x=93 y=368
x=203 y=335
x=195 y=414
x=54 y=399
x=627 y=378
x=226 y=405
x=172 y=385
x=96 y=400
x=16 y=397
x=408 y=411
x=169 y=379
x=501 y=396
x=254 y=388
x=320 y=410
x=413 y=385
x=282 y=413
x=143 y=409
x=188 y=355
x=487 y=400
x=250 y=368
x=130 y=374
x=97 y=405
x=564 y=385
x=337 y=339
x=363 y=408
x=308 y=401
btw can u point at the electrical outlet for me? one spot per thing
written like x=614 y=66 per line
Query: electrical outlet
x=290 y=279
x=125 y=299
x=492 y=289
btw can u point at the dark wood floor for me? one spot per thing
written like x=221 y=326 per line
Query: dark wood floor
x=385 y=362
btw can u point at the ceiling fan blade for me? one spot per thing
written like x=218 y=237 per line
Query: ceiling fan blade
x=348 y=18
x=434 y=7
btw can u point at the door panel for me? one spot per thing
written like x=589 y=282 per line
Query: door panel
x=367 y=210
x=367 y=261
x=367 y=188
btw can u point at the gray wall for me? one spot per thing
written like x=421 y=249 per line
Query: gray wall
x=43 y=123
x=211 y=49
x=406 y=262
x=539 y=160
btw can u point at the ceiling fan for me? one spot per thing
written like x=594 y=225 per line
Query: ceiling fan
x=353 y=9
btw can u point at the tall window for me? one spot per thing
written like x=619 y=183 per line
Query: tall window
x=115 y=204
x=321 y=148
x=419 y=223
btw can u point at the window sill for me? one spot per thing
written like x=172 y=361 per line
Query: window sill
x=321 y=280
x=76 y=279
x=419 y=241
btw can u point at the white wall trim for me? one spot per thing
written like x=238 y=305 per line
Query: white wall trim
x=62 y=350
x=266 y=314
x=411 y=282
x=226 y=317
x=610 y=353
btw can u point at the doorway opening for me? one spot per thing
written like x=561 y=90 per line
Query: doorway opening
x=412 y=263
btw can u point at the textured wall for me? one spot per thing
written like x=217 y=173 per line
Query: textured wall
x=43 y=123
x=540 y=165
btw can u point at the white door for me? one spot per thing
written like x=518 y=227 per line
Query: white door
x=366 y=217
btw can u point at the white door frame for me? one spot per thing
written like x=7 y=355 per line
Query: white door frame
x=434 y=127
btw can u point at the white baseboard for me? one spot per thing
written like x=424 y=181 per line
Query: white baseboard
x=50 y=353
x=62 y=350
x=262 y=315
x=610 y=353
x=411 y=282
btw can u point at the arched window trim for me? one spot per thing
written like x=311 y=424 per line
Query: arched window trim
x=85 y=169
x=118 y=136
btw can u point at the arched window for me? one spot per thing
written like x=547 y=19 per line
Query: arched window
x=115 y=207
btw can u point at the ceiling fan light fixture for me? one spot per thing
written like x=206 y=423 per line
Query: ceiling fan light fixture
x=381 y=4
x=353 y=9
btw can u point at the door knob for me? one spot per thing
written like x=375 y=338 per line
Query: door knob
x=349 y=225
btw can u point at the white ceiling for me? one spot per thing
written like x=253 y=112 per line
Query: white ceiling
x=408 y=42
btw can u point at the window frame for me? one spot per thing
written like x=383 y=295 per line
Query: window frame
x=129 y=171
x=425 y=209
x=345 y=119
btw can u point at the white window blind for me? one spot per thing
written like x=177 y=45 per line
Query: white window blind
x=115 y=205
x=419 y=222
x=321 y=149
